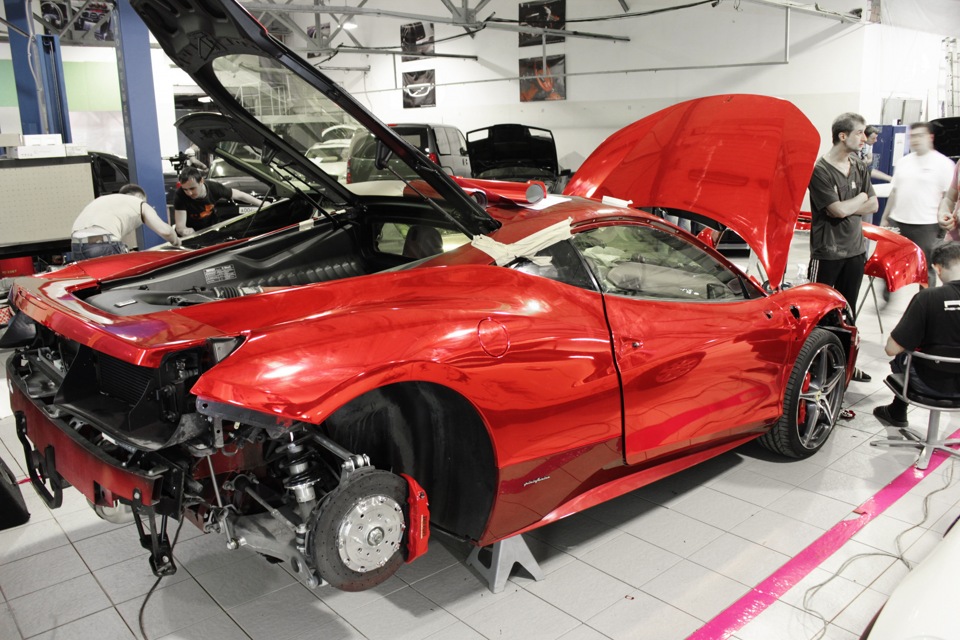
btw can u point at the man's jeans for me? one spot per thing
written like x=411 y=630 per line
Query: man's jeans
x=86 y=250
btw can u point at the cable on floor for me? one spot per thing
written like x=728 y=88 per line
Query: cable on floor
x=925 y=507
x=143 y=607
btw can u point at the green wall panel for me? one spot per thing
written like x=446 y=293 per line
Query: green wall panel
x=92 y=86
x=8 y=87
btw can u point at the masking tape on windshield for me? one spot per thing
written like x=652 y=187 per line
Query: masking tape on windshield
x=528 y=247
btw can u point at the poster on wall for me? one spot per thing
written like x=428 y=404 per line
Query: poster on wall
x=416 y=37
x=543 y=14
x=420 y=89
x=539 y=83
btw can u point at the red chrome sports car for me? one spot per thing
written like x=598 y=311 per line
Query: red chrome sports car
x=508 y=359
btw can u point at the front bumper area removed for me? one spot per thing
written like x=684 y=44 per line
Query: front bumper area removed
x=61 y=451
x=57 y=454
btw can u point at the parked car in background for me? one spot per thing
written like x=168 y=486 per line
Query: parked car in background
x=110 y=172
x=515 y=152
x=331 y=156
x=407 y=359
x=443 y=144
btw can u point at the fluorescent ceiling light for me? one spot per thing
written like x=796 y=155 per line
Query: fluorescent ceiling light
x=349 y=25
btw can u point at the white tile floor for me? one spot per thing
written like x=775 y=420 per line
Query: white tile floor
x=657 y=563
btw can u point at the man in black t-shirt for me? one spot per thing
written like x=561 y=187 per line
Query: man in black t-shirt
x=931 y=324
x=195 y=201
x=840 y=193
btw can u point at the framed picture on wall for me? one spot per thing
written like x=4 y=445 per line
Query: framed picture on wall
x=416 y=37
x=543 y=82
x=543 y=14
x=420 y=89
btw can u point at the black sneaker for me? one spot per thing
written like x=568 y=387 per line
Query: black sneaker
x=883 y=415
x=860 y=376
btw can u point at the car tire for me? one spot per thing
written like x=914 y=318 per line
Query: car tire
x=812 y=400
x=356 y=536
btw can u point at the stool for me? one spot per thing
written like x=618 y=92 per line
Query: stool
x=900 y=384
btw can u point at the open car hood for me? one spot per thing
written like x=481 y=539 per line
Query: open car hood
x=512 y=145
x=283 y=101
x=742 y=160
x=239 y=145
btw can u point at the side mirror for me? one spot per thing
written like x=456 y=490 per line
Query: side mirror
x=383 y=155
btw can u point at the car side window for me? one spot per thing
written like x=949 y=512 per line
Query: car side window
x=641 y=261
x=417 y=241
x=564 y=266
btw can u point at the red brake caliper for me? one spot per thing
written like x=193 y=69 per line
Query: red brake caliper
x=418 y=533
x=802 y=409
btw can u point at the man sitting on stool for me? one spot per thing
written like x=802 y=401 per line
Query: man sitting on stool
x=101 y=226
x=930 y=323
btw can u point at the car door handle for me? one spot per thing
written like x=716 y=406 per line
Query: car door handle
x=769 y=314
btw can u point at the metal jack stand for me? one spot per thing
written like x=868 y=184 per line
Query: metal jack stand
x=503 y=555
x=155 y=541
x=875 y=303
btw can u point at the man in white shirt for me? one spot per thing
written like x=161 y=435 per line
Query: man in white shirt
x=101 y=226
x=919 y=182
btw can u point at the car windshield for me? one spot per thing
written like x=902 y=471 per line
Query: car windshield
x=303 y=117
x=281 y=100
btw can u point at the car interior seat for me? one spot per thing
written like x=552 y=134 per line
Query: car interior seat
x=422 y=241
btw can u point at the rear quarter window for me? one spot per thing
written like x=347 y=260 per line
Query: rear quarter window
x=416 y=136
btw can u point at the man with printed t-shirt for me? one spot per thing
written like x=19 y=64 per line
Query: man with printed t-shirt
x=195 y=201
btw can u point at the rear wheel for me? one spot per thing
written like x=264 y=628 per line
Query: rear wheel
x=356 y=536
x=812 y=400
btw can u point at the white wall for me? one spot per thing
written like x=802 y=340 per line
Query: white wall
x=818 y=67
x=900 y=63
x=832 y=67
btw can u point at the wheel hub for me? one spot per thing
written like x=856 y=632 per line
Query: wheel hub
x=370 y=533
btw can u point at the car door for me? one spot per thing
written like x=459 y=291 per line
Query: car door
x=700 y=360
x=459 y=145
x=109 y=175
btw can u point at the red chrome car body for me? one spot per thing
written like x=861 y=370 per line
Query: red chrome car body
x=320 y=373
x=897 y=260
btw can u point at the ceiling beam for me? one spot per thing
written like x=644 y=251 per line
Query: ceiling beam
x=808 y=9
x=389 y=13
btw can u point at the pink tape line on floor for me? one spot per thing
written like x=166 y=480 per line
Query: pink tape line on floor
x=734 y=617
